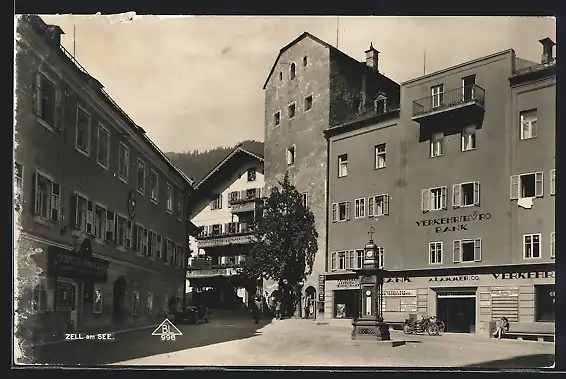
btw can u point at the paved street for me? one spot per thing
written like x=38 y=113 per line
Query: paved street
x=229 y=342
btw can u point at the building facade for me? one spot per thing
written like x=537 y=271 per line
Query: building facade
x=458 y=185
x=312 y=86
x=225 y=205
x=102 y=212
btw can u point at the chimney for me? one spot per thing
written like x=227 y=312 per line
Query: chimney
x=547 y=45
x=372 y=58
x=54 y=32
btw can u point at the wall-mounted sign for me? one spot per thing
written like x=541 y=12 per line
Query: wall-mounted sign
x=525 y=275
x=453 y=278
x=348 y=283
x=321 y=288
x=400 y=293
x=132 y=203
x=397 y=280
x=461 y=221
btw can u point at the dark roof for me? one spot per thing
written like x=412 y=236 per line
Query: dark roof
x=360 y=65
x=247 y=147
x=368 y=117
x=532 y=73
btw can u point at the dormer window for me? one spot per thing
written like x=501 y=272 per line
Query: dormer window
x=292 y=71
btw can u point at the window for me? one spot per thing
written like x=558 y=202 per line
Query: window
x=529 y=127
x=291 y=155
x=103 y=147
x=110 y=225
x=468 y=88
x=145 y=243
x=139 y=242
x=251 y=174
x=437 y=95
x=149 y=303
x=121 y=227
x=545 y=302
x=179 y=207
x=47 y=197
x=152 y=243
x=292 y=110
x=82 y=137
x=97 y=299
x=277 y=118
x=552 y=182
x=292 y=71
x=305 y=199
x=169 y=252
x=47 y=99
x=308 y=103
x=216 y=202
x=123 y=162
x=526 y=185
x=153 y=186
x=378 y=205
x=466 y=194
x=178 y=261
x=436 y=145
x=552 y=244
x=99 y=222
x=129 y=234
x=82 y=216
x=380 y=105
x=380 y=156
x=280 y=76
x=342 y=165
x=468 y=250
x=341 y=211
x=360 y=208
x=141 y=176
x=469 y=138
x=216 y=229
x=305 y=61
x=435 y=253
x=19 y=180
x=136 y=303
x=433 y=199
x=39 y=296
x=169 y=198
x=531 y=246
x=158 y=247
x=64 y=295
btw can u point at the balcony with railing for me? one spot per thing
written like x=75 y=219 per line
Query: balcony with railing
x=232 y=233
x=205 y=267
x=470 y=98
x=244 y=201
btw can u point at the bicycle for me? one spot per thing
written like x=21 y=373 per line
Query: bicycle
x=439 y=323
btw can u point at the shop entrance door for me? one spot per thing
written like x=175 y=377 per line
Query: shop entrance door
x=458 y=312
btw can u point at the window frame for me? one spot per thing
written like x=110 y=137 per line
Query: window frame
x=360 y=208
x=152 y=173
x=102 y=164
x=292 y=71
x=149 y=304
x=458 y=193
x=38 y=95
x=465 y=132
x=378 y=154
x=291 y=152
x=515 y=181
x=436 y=138
x=169 y=202
x=533 y=130
x=342 y=163
x=336 y=211
x=42 y=292
x=306 y=102
x=292 y=106
x=141 y=190
x=457 y=248
x=277 y=119
x=84 y=151
x=305 y=61
x=372 y=205
x=123 y=148
x=439 y=94
x=101 y=224
x=437 y=252
x=121 y=245
x=532 y=235
x=428 y=203
x=138 y=239
x=216 y=202
x=136 y=303
x=179 y=205
x=50 y=197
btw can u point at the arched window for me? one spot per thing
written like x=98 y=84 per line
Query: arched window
x=292 y=71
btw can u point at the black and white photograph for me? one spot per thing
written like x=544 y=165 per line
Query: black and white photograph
x=284 y=191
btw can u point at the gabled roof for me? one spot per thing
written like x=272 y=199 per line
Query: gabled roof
x=244 y=147
x=362 y=65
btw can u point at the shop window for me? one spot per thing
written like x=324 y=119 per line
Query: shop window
x=345 y=303
x=136 y=303
x=97 y=300
x=545 y=300
x=64 y=296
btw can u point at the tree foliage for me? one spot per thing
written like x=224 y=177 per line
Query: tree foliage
x=286 y=240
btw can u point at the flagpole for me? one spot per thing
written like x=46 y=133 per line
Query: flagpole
x=337 y=29
x=74 y=40
x=424 y=62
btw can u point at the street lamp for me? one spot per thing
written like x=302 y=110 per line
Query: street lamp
x=368 y=321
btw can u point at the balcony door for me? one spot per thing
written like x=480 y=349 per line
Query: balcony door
x=468 y=87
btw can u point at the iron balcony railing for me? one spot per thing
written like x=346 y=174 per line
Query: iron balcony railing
x=243 y=196
x=449 y=99
x=226 y=230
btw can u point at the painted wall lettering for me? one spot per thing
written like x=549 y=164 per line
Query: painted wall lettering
x=524 y=275
x=461 y=221
x=453 y=278
x=397 y=280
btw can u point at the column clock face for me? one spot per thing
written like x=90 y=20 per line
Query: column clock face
x=369 y=254
x=368 y=293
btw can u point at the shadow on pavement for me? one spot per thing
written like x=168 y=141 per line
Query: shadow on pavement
x=140 y=343
x=525 y=361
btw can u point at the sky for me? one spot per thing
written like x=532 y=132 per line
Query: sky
x=196 y=82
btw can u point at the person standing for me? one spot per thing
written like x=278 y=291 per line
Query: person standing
x=278 y=309
x=502 y=328
x=256 y=309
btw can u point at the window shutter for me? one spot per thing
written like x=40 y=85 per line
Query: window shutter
x=347 y=210
x=539 y=184
x=425 y=204
x=477 y=250
x=534 y=128
x=89 y=217
x=385 y=204
x=456 y=195
x=457 y=251
x=552 y=182
x=36 y=85
x=227 y=227
x=37 y=195
x=514 y=187
x=443 y=198
x=59 y=107
x=220 y=201
x=371 y=201
x=477 y=193
x=334 y=212
x=55 y=201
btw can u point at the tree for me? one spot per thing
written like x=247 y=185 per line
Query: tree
x=285 y=242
